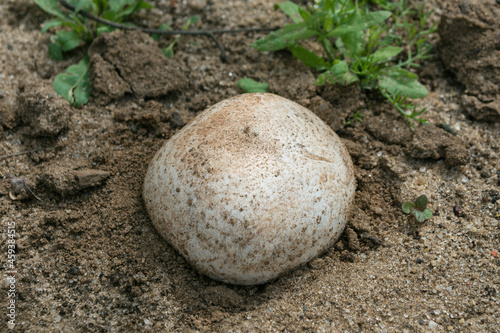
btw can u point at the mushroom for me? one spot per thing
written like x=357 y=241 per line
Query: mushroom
x=253 y=187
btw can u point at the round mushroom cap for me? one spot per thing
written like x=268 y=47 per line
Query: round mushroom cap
x=253 y=187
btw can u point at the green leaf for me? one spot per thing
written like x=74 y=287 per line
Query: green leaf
x=419 y=215
x=305 y=14
x=385 y=54
x=358 y=22
x=399 y=82
x=104 y=29
x=192 y=20
x=164 y=26
x=407 y=207
x=291 y=9
x=251 y=86
x=374 y=18
x=55 y=51
x=130 y=6
x=68 y=39
x=351 y=32
x=146 y=5
x=168 y=52
x=280 y=39
x=307 y=57
x=116 y=6
x=421 y=202
x=52 y=23
x=73 y=85
x=85 y=5
x=51 y=7
x=338 y=73
x=109 y=15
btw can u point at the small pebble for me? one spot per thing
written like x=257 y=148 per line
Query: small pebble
x=457 y=210
x=74 y=270
x=433 y=325
x=485 y=174
x=176 y=120
x=465 y=180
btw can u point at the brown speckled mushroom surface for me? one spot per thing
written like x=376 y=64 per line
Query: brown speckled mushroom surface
x=253 y=187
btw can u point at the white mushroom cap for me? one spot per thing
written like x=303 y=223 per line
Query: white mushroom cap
x=253 y=187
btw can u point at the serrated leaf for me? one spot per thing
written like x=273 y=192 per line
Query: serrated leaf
x=421 y=202
x=385 y=54
x=338 y=73
x=280 y=39
x=407 y=207
x=291 y=9
x=307 y=57
x=73 y=85
x=427 y=213
x=400 y=82
x=51 y=7
x=252 y=86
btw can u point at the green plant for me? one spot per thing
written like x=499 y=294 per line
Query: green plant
x=252 y=86
x=360 y=46
x=76 y=30
x=418 y=208
x=357 y=116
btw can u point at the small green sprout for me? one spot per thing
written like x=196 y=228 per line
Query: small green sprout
x=358 y=116
x=418 y=208
x=252 y=86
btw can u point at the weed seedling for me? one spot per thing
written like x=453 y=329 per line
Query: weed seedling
x=418 y=208
x=358 y=116
x=373 y=49
x=252 y=86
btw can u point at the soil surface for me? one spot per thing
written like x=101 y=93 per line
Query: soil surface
x=89 y=258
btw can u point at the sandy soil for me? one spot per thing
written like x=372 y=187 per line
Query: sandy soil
x=89 y=258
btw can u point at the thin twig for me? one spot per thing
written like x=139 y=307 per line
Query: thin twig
x=2 y=157
x=208 y=33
